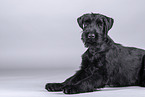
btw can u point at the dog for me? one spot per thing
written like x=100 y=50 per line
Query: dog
x=105 y=63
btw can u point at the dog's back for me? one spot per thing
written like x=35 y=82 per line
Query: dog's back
x=124 y=65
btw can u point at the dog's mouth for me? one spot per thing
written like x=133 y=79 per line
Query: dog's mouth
x=90 y=43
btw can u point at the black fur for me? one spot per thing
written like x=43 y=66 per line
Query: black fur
x=105 y=62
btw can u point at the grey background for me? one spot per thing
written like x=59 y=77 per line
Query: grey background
x=45 y=33
x=40 y=42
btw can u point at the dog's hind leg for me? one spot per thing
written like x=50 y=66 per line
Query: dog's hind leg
x=142 y=73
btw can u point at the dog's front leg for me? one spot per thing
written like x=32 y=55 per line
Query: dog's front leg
x=90 y=83
x=78 y=76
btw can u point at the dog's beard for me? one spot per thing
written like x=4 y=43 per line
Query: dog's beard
x=89 y=42
x=92 y=42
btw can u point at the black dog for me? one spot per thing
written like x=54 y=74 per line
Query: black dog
x=104 y=62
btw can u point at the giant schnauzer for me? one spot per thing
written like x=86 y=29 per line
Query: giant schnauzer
x=105 y=63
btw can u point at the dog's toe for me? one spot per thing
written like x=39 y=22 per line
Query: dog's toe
x=53 y=87
x=70 y=89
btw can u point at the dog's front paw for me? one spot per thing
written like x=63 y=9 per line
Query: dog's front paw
x=71 y=89
x=54 y=87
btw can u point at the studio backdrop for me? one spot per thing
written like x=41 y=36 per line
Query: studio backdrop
x=37 y=34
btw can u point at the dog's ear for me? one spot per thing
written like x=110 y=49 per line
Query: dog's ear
x=80 y=21
x=108 y=23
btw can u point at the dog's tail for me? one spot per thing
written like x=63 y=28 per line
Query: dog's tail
x=142 y=73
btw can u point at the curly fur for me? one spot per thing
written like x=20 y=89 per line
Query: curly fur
x=105 y=62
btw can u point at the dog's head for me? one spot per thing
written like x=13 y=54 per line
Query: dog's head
x=95 y=28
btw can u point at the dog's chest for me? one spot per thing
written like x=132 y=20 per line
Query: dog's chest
x=96 y=63
x=97 y=59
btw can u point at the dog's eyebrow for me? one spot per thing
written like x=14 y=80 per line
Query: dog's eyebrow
x=87 y=20
x=99 y=20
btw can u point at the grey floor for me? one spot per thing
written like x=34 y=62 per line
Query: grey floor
x=30 y=83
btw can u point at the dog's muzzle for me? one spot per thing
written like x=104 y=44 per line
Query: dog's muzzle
x=91 y=35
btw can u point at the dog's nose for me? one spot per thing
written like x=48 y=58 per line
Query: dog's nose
x=91 y=35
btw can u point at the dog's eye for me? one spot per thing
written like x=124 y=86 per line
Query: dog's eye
x=87 y=22
x=85 y=25
x=99 y=23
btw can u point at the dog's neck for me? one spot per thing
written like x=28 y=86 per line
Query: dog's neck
x=103 y=47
